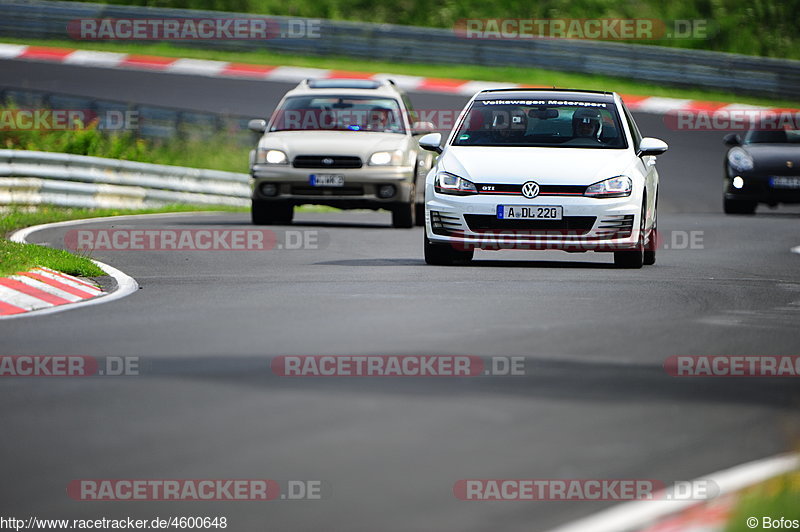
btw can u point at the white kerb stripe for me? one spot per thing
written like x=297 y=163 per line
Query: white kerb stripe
x=286 y=73
x=86 y=284
x=91 y=58
x=471 y=87
x=92 y=291
x=10 y=51
x=197 y=66
x=661 y=105
x=408 y=83
x=18 y=299
x=44 y=287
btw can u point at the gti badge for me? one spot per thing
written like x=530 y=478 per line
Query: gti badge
x=530 y=189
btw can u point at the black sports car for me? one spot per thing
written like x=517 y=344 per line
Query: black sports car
x=764 y=167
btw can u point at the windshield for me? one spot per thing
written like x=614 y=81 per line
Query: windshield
x=338 y=113
x=541 y=123
x=774 y=136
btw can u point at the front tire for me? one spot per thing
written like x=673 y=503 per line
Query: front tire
x=633 y=258
x=445 y=254
x=652 y=244
x=271 y=212
x=404 y=215
x=737 y=206
x=420 y=214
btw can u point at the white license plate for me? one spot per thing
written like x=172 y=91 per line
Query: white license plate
x=530 y=212
x=326 y=180
x=785 y=182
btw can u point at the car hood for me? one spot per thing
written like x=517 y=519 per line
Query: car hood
x=772 y=158
x=356 y=143
x=563 y=166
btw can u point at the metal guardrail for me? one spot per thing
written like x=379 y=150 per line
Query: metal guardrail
x=151 y=122
x=657 y=64
x=32 y=178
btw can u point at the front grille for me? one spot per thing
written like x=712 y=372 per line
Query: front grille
x=544 y=190
x=615 y=227
x=444 y=223
x=301 y=190
x=569 y=225
x=326 y=161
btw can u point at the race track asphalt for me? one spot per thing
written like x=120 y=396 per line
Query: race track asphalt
x=595 y=401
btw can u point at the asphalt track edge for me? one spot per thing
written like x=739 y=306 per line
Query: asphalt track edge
x=126 y=285
x=632 y=516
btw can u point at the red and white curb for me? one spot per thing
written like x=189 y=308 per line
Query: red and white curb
x=687 y=515
x=42 y=288
x=43 y=291
x=224 y=69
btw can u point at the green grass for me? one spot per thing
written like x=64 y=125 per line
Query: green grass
x=776 y=498
x=524 y=76
x=757 y=27
x=16 y=257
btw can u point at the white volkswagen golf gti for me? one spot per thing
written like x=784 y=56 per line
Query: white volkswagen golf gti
x=542 y=169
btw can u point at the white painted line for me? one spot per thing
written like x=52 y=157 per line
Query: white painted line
x=66 y=279
x=297 y=74
x=661 y=105
x=126 y=284
x=44 y=287
x=18 y=299
x=199 y=67
x=631 y=516
x=795 y=249
x=10 y=51
x=92 y=58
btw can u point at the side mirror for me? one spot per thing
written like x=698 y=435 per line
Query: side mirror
x=431 y=142
x=420 y=128
x=651 y=146
x=732 y=139
x=257 y=125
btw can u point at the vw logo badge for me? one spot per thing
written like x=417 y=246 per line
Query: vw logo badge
x=327 y=160
x=530 y=189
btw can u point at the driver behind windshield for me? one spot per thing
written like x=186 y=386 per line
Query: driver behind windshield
x=587 y=124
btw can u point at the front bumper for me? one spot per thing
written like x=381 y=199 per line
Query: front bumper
x=762 y=189
x=588 y=224
x=360 y=189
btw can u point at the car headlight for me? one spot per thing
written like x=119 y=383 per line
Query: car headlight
x=740 y=160
x=615 y=187
x=386 y=158
x=271 y=157
x=447 y=183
